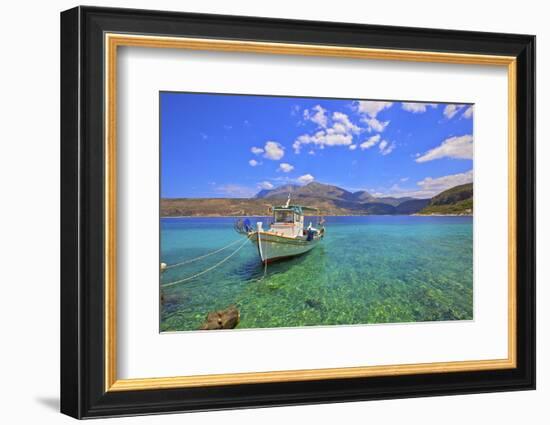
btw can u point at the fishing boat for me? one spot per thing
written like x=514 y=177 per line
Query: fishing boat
x=286 y=236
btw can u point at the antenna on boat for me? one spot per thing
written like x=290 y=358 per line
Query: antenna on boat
x=288 y=200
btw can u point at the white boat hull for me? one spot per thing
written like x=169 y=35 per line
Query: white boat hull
x=273 y=247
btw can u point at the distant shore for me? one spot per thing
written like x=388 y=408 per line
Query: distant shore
x=327 y=199
x=323 y=215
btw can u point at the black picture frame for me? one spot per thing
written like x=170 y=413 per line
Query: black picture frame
x=83 y=392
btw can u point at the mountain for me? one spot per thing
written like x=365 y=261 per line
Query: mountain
x=330 y=199
x=456 y=200
x=392 y=201
x=362 y=196
x=310 y=190
x=281 y=191
x=411 y=206
x=327 y=191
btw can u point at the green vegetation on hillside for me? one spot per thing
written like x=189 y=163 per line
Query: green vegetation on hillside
x=465 y=207
x=454 y=194
x=457 y=200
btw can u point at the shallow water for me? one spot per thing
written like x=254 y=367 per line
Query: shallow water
x=371 y=269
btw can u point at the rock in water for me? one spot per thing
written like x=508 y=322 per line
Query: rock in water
x=310 y=302
x=222 y=319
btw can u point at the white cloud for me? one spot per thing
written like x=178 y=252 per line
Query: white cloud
x=370 y=142
x=417 y=108
x=375 y=125
x=454 y=147
x=340 y=132
x=317 y=114
x=343 y=124
x=429 y=187
x=265 y=185
x=371 y=108
x=256 y=151
x=440 y=184
x=403 y=179
x=285 y=168
x=235 y=191
x=321 y=139
x=311 y=152
x=254 y=163
x=451 y=110
x=468 y=113
x=334 y=136
x=306 y=178
x=274 y=151
x=385 y=147
x=352 y=147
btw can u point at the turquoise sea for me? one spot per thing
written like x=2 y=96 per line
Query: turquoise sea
x=370 y=269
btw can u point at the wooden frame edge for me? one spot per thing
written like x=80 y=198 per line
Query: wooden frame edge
x=110 y=213
x=512 y=212
x=114 y=40
x=306 y=375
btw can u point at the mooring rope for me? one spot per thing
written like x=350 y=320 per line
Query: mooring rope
x=171 y=266
x=208 y=269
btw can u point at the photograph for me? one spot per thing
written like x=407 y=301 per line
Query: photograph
x=281 y=212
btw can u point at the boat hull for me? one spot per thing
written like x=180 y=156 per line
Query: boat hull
x=274 y=247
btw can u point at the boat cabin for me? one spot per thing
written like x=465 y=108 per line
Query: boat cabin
x=288 y=220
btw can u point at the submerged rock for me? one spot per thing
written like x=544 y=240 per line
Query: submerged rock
x=222 y=319
x=171 y=298
x=312 y=303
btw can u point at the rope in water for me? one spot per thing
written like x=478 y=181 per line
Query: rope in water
x=208 y=269
x=171 y=266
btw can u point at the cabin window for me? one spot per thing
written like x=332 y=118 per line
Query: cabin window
x=284 y=217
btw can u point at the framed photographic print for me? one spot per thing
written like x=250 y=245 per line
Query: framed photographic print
x=261 y=212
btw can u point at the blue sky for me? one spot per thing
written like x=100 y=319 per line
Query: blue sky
x=235 y=145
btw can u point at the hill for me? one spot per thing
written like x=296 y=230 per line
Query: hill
x=457 y=200
x=213 y=207
x=411 y=206
x=326 y=191
x=362 y=196
x=311 y=190
x=331 y=200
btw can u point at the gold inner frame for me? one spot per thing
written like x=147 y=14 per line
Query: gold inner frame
x=113 y=41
